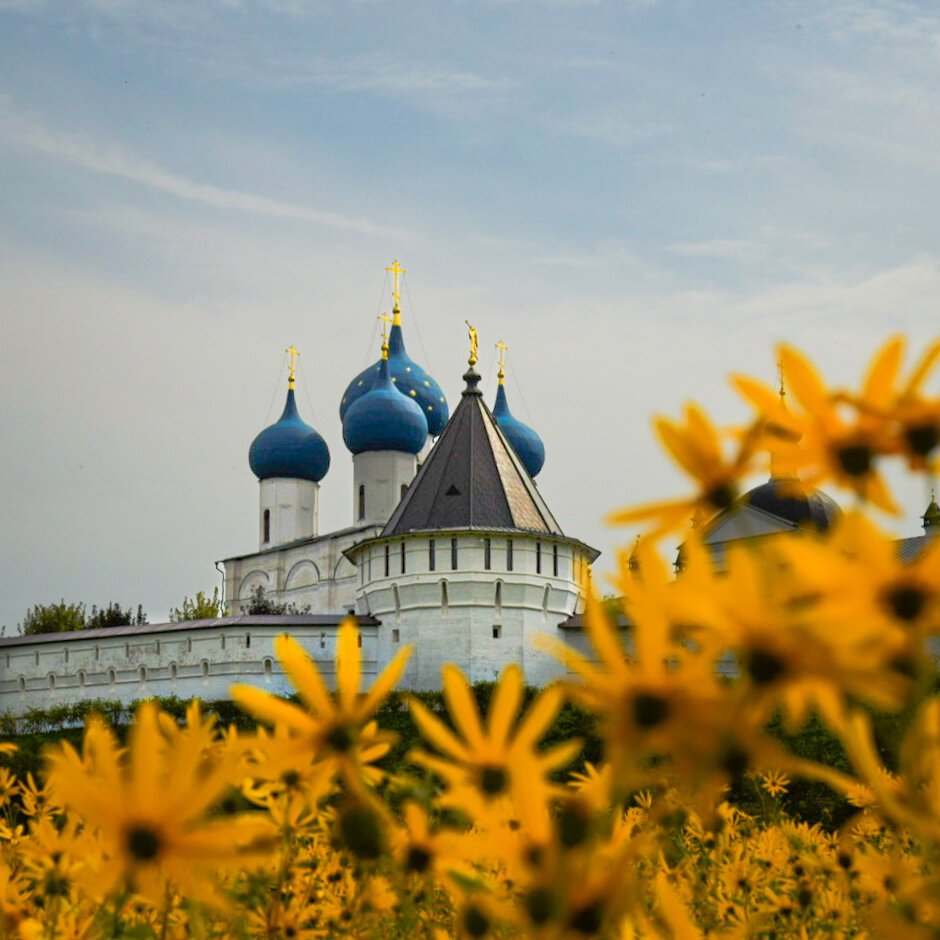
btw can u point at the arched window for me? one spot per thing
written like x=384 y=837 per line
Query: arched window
x=205 y=670
x=22 y=683
x=498 y=600
x=266 y=537
x=268 y=667
x=51 y=681
x=509 y=554
x=397 y=598
x=545 y=601
x=555 y=560
x=174 y=670
x=322 y=641
x=81 y=678
x=402 y=557
x=431 y=559
x=143 y=673
x=487 y=559
x=444 y=596
x=538 y=557
x=247 y=641
x=111 y=676
x=362 y=501
x=386 y=560
x=404 y=489
x=222 y=640
x=453 y=554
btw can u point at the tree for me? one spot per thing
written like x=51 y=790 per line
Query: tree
x=114 y=616
x=260 y=604
x=200 y=607
x=53 y=618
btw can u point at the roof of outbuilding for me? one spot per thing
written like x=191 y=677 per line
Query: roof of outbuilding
x=216 y=623
x=472 y=479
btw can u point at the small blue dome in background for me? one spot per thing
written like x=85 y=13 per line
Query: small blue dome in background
x=290 y=448
x=525 y=442
x=384 y=418
x=408 y=377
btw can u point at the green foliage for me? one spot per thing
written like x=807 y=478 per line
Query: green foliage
x=64 y=618
x=114 y=616
x=200 y=607
x=261 y=604
x=53 y=618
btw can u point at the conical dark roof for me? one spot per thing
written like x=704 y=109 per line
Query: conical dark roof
x=472 y=479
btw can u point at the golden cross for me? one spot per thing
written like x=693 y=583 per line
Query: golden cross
x=502 y=347
x=291 y=351
x=386 y=319
x=396 y=269
x=783 y=389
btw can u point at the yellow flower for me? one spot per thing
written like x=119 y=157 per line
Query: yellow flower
x=840 y=437
x=698 y=449
x=774 y=782
x=495 y=760
x=148 y=804
x=333 y=728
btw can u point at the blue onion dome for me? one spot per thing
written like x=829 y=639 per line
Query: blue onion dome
x=290 y=448
x=408 y=376
x=525 y=442
x=384 y=418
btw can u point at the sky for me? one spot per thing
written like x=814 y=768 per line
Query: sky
x=638 y=198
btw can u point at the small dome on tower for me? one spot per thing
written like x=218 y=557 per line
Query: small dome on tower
x=384 y=418
x=290 y=448
x=814 y=509
x=525 y=442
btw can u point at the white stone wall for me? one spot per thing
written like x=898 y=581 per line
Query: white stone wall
x=314 y=572
x=292 y=508
x=479 y=617
x=167 y=659
x=381 y=476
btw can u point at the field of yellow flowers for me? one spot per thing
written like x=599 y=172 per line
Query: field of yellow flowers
x=488 y=835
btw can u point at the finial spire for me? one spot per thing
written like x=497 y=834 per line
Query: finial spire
x=396 y=269
x=473 y=344
x=502 y=347
x=783 y=388
x=292 y=352
x=385 y=318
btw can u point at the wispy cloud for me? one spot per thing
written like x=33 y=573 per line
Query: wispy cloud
x=612 y=125
x=25 y=131
x=714 y=248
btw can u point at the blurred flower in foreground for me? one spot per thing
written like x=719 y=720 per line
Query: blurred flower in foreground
x=148 y=804
x=334 y=729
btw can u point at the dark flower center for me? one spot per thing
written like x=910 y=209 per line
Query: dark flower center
x=649 y=710
x=906 y=601
x=143 y=843
x=764 y=667
x=923 y=438
x=361 y=832
x=340 y=739
x=588 y=919
x=735 y=761
x=855 y=459
x=418 y=859
x=722 y=496
x=492 y=780
x=475 y=922
x=574 y=824
x=540 y=903
x=290 y=779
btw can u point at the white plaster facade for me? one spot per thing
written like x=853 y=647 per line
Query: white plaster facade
x=197 y=659
x=475 y=598
x=312 y=571
x=288 y=511
x=380 y=480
